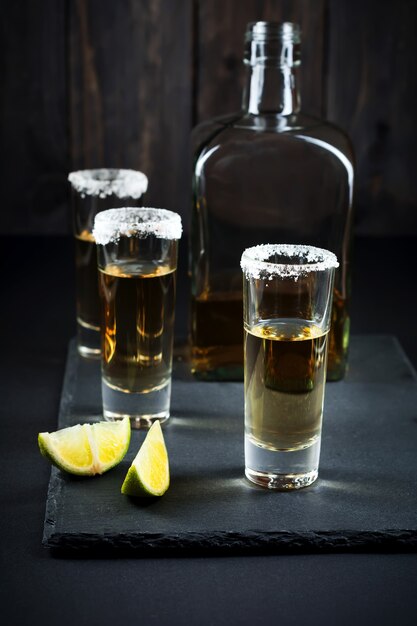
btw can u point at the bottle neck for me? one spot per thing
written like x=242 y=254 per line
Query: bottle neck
x=272 y=89
x=273 y=55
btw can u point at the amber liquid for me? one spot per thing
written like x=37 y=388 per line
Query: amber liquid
x=338 y=338
x=138 y=324
x=88 y=312
x=217 y=336
x=285 y=370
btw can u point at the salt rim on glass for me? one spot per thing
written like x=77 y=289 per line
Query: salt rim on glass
x=112 y=224
x=105 y=182
x=257 y=262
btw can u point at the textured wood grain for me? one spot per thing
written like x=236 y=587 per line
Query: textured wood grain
x=33 y=126
x=90 y=83
x=219 y=71
x=372 y=93
x=130 y=87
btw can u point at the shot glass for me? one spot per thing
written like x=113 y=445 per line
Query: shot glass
x=137 y=262
x=94 y=191
x=287 y=302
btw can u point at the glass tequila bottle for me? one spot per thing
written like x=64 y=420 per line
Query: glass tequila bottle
x=267 y=174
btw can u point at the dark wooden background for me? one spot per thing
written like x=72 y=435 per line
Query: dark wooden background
x=87 y=83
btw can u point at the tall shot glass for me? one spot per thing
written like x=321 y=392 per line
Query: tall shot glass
x=94 y=191
x=137 y=262
x=287 y=302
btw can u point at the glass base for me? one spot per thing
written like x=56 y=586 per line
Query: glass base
x=88 y=340
x=281 y=482
x=282 y=469
x=143 y=408
x=137 y=421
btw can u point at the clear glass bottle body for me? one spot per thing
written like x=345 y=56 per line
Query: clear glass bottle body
x=267 y=175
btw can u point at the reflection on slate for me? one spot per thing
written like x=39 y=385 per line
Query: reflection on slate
x=365 y=498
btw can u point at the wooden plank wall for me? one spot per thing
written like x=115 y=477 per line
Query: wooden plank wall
x=372 y=92
x=130 y=90
x=33 y=121
x=89 y=83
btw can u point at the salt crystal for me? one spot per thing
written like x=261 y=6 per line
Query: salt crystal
x=257 y=262
x=112 y=224
x=109 y=182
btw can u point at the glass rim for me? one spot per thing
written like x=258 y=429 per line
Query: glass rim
x=264 y=31
x=255 y=261
x=112 y=224
x=107 y=181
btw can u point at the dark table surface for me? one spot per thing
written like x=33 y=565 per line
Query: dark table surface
x=37 y=321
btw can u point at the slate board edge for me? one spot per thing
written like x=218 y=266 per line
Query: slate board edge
x=235 y=541
x=55 y=486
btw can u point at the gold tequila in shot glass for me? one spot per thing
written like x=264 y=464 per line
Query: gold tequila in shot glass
x=94 y=191
x=287 y=300
x=137 y=261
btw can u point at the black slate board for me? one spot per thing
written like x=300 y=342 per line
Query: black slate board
x=365 y=497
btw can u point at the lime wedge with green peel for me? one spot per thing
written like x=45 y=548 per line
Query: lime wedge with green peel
x=87 y=449
x=149 y=473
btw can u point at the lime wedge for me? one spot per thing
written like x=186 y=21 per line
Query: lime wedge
x=87 y=449
x=149 y=473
